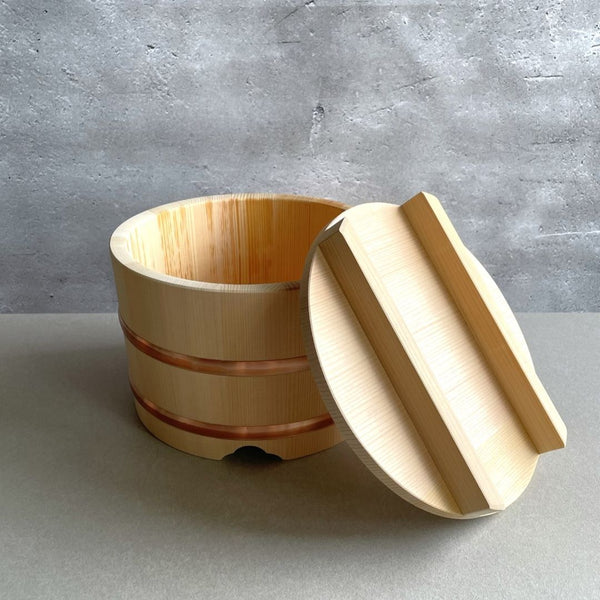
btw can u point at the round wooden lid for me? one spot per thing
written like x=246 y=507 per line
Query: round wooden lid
x=421 y=362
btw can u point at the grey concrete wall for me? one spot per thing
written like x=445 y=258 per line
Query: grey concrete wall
x=108 y=108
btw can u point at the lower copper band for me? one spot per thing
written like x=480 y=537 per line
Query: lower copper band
x=233 y=432
x=211 y=366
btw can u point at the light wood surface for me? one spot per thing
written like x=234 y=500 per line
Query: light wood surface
x=421 y=362
x=208 y=294
x=519 y=382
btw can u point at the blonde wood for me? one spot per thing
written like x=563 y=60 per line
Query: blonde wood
x=264 y=400
x=218 y=278
x=246 y=314
x=519 y=381
x=286 y=448
x=402 y=373
x=409 y=373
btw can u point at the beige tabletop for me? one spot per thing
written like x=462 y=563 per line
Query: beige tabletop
x=92 y=506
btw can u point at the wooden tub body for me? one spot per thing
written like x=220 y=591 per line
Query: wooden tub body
x=208 y=293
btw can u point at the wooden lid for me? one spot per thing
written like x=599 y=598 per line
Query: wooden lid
x=421 y=362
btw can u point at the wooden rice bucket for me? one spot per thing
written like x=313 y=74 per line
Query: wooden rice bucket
x=208 y=293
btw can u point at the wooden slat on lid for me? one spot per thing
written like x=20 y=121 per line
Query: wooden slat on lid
x=411 y=377
x=520 y=383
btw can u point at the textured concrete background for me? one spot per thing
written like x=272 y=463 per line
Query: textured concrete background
x=108 y=108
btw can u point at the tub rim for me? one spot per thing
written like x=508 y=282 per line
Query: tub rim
x=120 y=253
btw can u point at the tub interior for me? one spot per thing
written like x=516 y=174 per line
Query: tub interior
x=233 y=240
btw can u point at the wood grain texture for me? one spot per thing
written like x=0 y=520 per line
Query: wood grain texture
x=519 y=381
x=208 y=294
x=403 y=372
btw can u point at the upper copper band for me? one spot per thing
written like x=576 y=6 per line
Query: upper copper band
x=212 y=366
x=233 y=432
